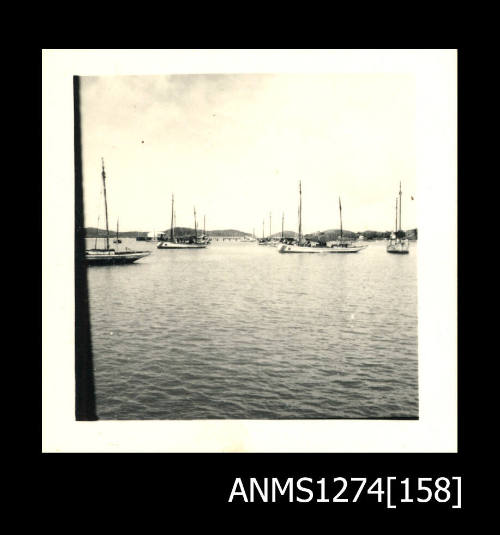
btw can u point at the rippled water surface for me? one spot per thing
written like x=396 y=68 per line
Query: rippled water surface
x=240 y=331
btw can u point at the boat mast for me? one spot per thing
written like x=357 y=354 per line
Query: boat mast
x=263 y=223
x=172 y=221
x=300 y=211
x=340 y=210
x=400 y=205
x=396 y=226
x=204 y=232
x=105 y=203
x=117 y=222
x=195 y=227
x=283 y=225
x=269 y=225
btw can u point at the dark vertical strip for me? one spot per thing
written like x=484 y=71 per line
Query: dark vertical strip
x=84 y=371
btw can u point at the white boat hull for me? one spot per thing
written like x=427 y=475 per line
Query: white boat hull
x=320 y=250
x=170 y=245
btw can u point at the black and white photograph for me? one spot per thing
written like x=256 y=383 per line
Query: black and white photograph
x=262 y=250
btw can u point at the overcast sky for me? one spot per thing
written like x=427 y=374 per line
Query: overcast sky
x=236 y=146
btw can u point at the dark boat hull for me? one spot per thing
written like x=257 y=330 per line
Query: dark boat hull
x=398 y=248
x=119 y=258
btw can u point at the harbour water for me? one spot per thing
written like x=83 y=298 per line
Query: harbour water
x=238 y=331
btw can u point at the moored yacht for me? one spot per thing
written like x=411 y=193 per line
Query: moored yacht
x=398 y=243
x=108 y=256
x=184 y=242
x=306 y=246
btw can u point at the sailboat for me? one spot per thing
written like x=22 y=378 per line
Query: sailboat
x=343 y=245
x=205 y=237
x=283 y=239
x=184 y=242
x=263 y=241
x=248 y=239
x=117 y=239
x=109 y=256
x=305 y=246
x=398 y=243
x=273 y=242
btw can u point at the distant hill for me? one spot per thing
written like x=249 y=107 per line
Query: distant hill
x=334 y=234
x=287 y=234
x=187 y=231
x=412 y=234
x=228 y=232
x=328 y=235
x=93 y=232
x=331 y=235
x=180 y=231
x=376 y=235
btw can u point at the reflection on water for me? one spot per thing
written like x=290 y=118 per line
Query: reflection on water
x=242 y=332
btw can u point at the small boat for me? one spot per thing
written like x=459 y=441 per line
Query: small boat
x=185 y=242
x=267 y=241
x=108 y=256
x=117 y=240
x=302 y=245
x=263 y=241
x=251 y=238
x=398 y=243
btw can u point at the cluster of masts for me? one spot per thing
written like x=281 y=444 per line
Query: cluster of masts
x=183 y=242
x=302 y=245
x=396 y=227
x=264 y=241
x=398 y=243
x=286 y=245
